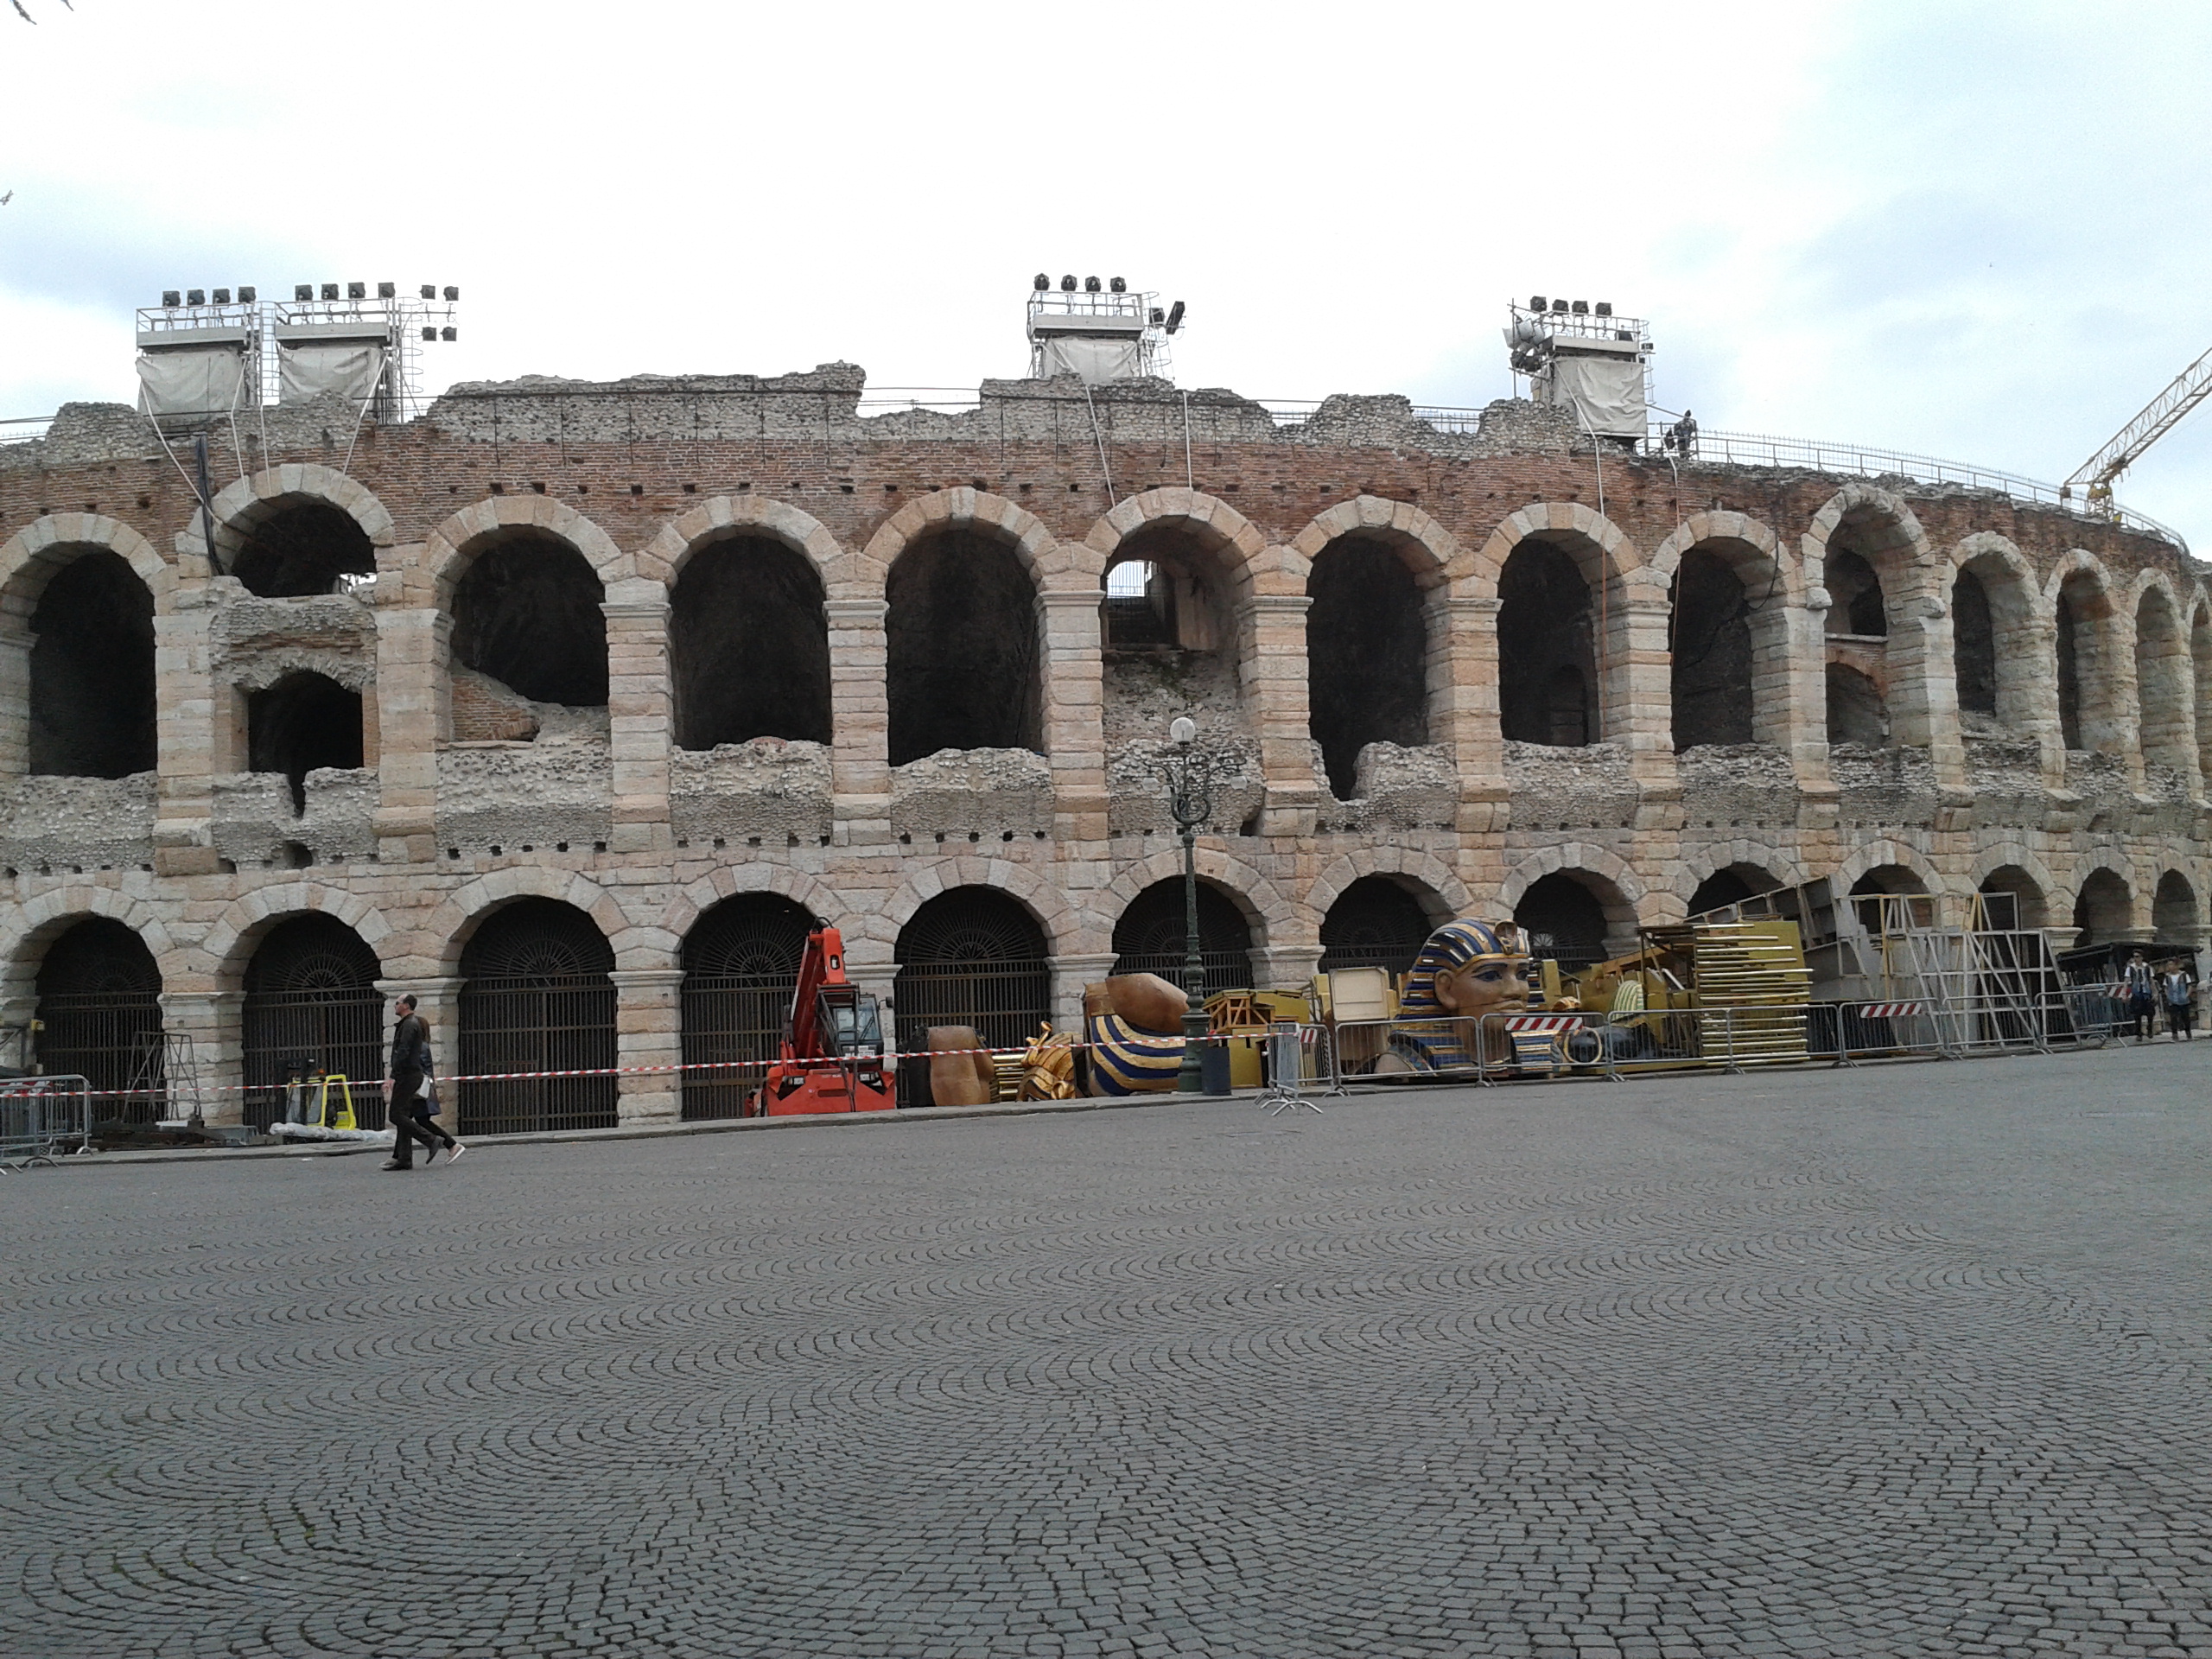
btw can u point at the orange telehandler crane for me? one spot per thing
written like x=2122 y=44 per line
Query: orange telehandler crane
x=832 y=1058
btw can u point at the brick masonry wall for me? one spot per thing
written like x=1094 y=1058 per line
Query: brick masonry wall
x=584 y=814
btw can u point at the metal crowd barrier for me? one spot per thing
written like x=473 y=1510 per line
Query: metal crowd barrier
x=40 y=1117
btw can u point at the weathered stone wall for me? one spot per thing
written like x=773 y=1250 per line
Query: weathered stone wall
x=473 y=796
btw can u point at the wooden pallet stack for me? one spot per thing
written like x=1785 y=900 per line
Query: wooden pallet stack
x=1756 y=972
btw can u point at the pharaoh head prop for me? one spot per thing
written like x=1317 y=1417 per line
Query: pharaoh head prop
x=1468 y=970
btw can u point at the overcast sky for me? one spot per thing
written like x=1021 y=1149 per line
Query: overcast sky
x=1973 y=231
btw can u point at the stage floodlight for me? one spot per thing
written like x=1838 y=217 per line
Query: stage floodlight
x=1043 y=283
x=1558 y=306
x=301 y=291
x=429 y=290
x=1158 y=316
x=429 y=333
x=357 y=290
x=452 y=332
x=387 y=291
x=1067 y=284
x=1537 y=302
x=1091 y=284
x=222 y=296
x=1582 y=308
x=196 y=297
x=248 y=294
x=1118 y=286
x=1604 y=308
x=171 y=297
x=330 y=290
x=1175 y=316
x=452 y=293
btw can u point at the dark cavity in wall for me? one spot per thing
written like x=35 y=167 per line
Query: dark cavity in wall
x=303 y=721
x=1152 y=937
x=303 y=550
x=749 y=646
x=1721 y=888
x=1856 y=592
x=527 y=613
x=91 y=672
x=2070 y=670
x=1974 y=645
x=1367 y=656
x=99 y=1002
x=1546 y=663
x=1856 y=711
x=1563 y=920
x=1712 y=669
x=961 y=638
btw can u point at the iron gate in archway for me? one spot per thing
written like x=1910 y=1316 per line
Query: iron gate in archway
x=311 y=1004
x=536 y=997
x=99 y=1013
x=740 y=967
x=971 y=956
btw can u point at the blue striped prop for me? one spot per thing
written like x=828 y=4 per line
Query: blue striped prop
x=1125 y=1060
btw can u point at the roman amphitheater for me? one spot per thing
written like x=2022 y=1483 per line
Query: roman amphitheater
x=566 y=704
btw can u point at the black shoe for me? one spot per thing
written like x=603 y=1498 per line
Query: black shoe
x=396 y=1165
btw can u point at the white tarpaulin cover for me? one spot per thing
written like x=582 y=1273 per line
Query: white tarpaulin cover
x=1606 y=392
x=1096 y=360
x=190 y=380
x=316 y=368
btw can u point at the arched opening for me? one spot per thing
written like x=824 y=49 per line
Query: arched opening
x=536 y=997
x=1891 y=882
x=2200 y=655
x=310 y=548
x=740 y=968
x=527 y=613
x=304 y=721
x=1168 y=637
x=2174 y=912
x=1973 y=648
x=2162 y=687
x=1856 y=610
x=1366 y=656
x=1153 y=931
x=962 y=649
x=311 y=1009
x=2082 y=619
x=1712 y=669
x=2030 y=906
x=970 y=956
x=1856 y=712
x=1564 y=919
x=99 y=1014
x=1374 y=923
x=92 y=711
x=2104 y=910
x=1731 y=884
x=748 y=645
x=1547 y=652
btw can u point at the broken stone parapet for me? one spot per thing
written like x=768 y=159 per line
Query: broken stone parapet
x=1882 y=786
x=92 y=822
x=1396 y=786
x=1589 y=788
x=1136 y=785
x=771 y=790
x=524 y=795
x=966 y=792
x=255 y=828
x=1724 y=785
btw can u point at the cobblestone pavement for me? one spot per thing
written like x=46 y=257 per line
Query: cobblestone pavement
x=1906 y=1360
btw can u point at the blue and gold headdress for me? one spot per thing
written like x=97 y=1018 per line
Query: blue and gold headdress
x=1437 y=1044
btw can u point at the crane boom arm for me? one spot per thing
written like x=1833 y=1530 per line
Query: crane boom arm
x=2158 y=417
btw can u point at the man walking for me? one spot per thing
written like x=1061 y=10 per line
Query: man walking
x=406 y=1110
x=2179 y=991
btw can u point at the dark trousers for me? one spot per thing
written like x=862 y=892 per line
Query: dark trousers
x=410 y=1122
x=2177 y=1018
x=2145 y=1014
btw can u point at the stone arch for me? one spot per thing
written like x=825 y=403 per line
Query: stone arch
x=1066 y=928
x=448 y=549
x=1429 y=551
x=28 y=561
x=1770 y=865
x=2108 y=902
x=40 y=921
x=231 y=939
x=1424 y=870
x=696 y=899
x=2012 y=867
x=844 y=574
x=1734 y=701
x=1890 y=532
x=442 y=936
x=1232 y=537
x=2200 y=663
x=1619 y=891
x=1602 y=550
x=1052 y=563
x=1876 y=854
x=125 y=728
x=2176 y=909
x=2021 y=695
x=2164 y=688
x=2092 y=646
x=238 y=509
x=1908 y=664
x=1275 y=920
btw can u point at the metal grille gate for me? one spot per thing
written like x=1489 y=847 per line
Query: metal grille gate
x=740 y=967
x=536 y=997
x=311 y=1005
x=972 y=956
x=1149 y=939
x=100 y=1008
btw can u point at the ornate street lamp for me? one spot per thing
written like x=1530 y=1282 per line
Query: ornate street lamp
x=1190 y=800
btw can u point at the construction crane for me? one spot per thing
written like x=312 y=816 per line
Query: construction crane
x=832 y=1058
x=2159 y=416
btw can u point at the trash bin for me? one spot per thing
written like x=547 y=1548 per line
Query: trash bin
x=1213 y=1067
